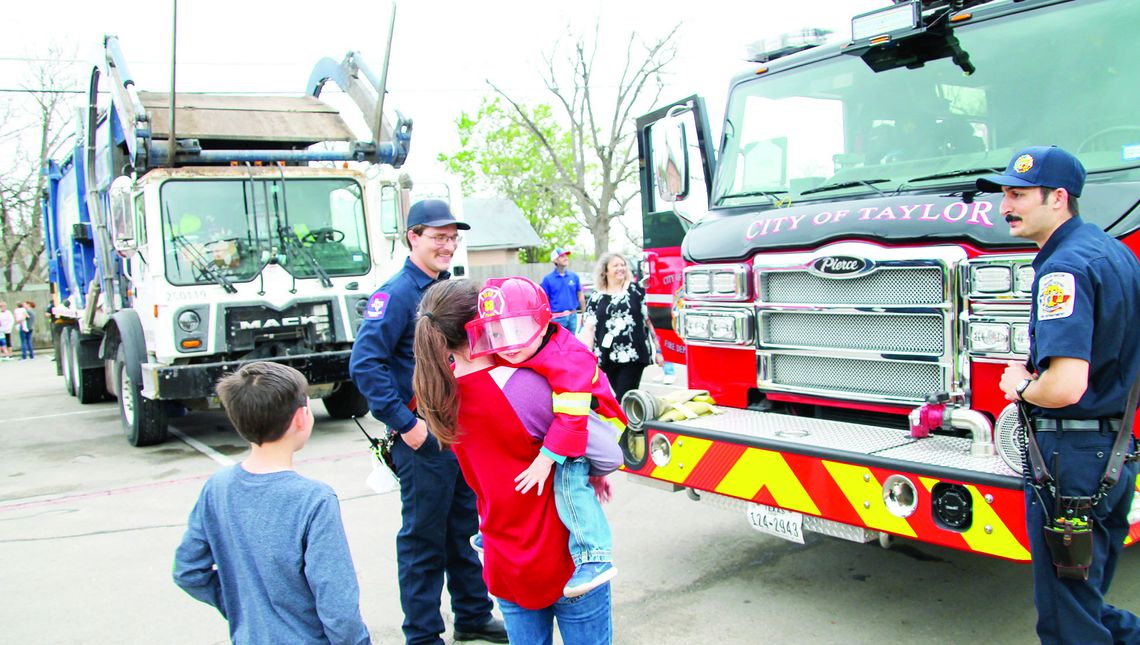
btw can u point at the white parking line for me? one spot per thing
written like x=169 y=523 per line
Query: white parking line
x=202 y=448
x=61 y=414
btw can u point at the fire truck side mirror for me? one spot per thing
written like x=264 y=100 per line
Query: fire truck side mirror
x=669 y=143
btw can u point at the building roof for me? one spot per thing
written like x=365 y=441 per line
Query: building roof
x=497 y=224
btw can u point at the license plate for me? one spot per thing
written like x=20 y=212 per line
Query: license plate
x=788 y=525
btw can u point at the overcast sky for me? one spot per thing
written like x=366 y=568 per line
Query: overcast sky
x=442 y=55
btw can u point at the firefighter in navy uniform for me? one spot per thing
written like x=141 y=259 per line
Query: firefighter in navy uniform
x=1084 y=356
x=438 y=507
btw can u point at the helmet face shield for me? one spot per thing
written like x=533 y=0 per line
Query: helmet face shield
x=510 y=314
x=490 y=335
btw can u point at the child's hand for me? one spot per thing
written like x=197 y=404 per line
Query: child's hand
x=535 y=474
x=602 y=488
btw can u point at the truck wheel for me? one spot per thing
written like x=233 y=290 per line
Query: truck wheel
x=144 y=420
x=65 y=340
x=346 y=402
x=90 y=384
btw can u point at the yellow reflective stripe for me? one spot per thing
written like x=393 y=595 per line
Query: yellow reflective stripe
x=597 y=371
x=614 y=421
x=576 y=403
x=757 y=469
x=865 y=494
x=999 y=541
x=685 y=453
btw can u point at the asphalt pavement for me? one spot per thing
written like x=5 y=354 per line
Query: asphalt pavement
x=88 y=528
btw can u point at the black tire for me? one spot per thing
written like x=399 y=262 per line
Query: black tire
x=346 y=402
x=144 y=420
x=68 y=356
x=90 y=383
x=56 y=346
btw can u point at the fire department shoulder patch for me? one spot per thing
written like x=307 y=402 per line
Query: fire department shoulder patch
x=377 y=305
x=1055 y=294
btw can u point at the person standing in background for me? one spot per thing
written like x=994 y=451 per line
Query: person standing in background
x=616 y=325
x=26 y=328
x=7 y=323
x=564 y=290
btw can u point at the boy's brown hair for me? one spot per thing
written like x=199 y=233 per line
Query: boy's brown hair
x=261 y=399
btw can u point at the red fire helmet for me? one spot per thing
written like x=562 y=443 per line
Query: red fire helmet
x=511 y=313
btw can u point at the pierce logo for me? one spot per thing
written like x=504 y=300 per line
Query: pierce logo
x=838 y=265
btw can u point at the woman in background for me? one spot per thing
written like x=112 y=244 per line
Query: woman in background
x=616 y=325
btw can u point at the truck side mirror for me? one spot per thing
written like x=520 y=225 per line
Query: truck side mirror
x=122 y=220
x=670 y=156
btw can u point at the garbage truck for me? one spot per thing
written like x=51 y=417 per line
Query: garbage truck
x=190 y=234
x=847 y=296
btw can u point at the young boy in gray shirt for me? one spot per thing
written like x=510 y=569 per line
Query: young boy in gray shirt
x=264 y=545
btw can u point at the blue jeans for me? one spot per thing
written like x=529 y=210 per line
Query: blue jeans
x=26 y=344
x=431 y=547
x=581 y=512
x=584 y=620
x=569 y=321
x=1074 y=611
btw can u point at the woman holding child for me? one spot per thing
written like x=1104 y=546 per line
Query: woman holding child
x=497 y=416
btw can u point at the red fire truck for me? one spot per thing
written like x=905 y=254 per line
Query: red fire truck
x=849 y=298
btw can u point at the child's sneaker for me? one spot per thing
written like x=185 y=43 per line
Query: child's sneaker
x=477 y=543
x=588 y=576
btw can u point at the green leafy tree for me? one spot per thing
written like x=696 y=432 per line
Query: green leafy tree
x=500 y=154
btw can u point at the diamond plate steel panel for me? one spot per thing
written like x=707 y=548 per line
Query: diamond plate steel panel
x=834 y=435
x=948 y=452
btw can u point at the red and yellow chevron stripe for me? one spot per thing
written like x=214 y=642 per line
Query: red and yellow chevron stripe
x=843 y=492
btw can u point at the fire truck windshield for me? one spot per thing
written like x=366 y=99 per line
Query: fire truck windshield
x=233 y=227
x=835 y=128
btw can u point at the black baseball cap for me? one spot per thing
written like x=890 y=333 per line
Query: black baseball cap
x=435 y=213
x=1047 y=166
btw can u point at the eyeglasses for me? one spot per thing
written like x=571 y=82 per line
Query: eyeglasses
x=444 y=240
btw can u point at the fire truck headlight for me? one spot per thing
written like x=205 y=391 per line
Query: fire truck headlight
x=900 y=496
x=659 y=450
x=697 y=282
x=1021 y=339
x=722 y=328
x=696 y=326
x=1025 y=278
x=992 y=279
x=989 y=337
x=189 y=320
x=724 y=282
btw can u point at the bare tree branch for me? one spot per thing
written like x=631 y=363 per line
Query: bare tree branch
x=602 y=172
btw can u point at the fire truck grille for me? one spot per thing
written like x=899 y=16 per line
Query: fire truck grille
x=888 y=286
x=910 y=333
x=891 y=380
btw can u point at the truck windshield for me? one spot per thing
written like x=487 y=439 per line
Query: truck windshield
x=234 y=227
x=1064 y=75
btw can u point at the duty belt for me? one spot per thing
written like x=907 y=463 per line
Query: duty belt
x=1076 y=425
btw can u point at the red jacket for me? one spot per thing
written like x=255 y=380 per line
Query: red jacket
x=525 y=555
x=572 y=371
